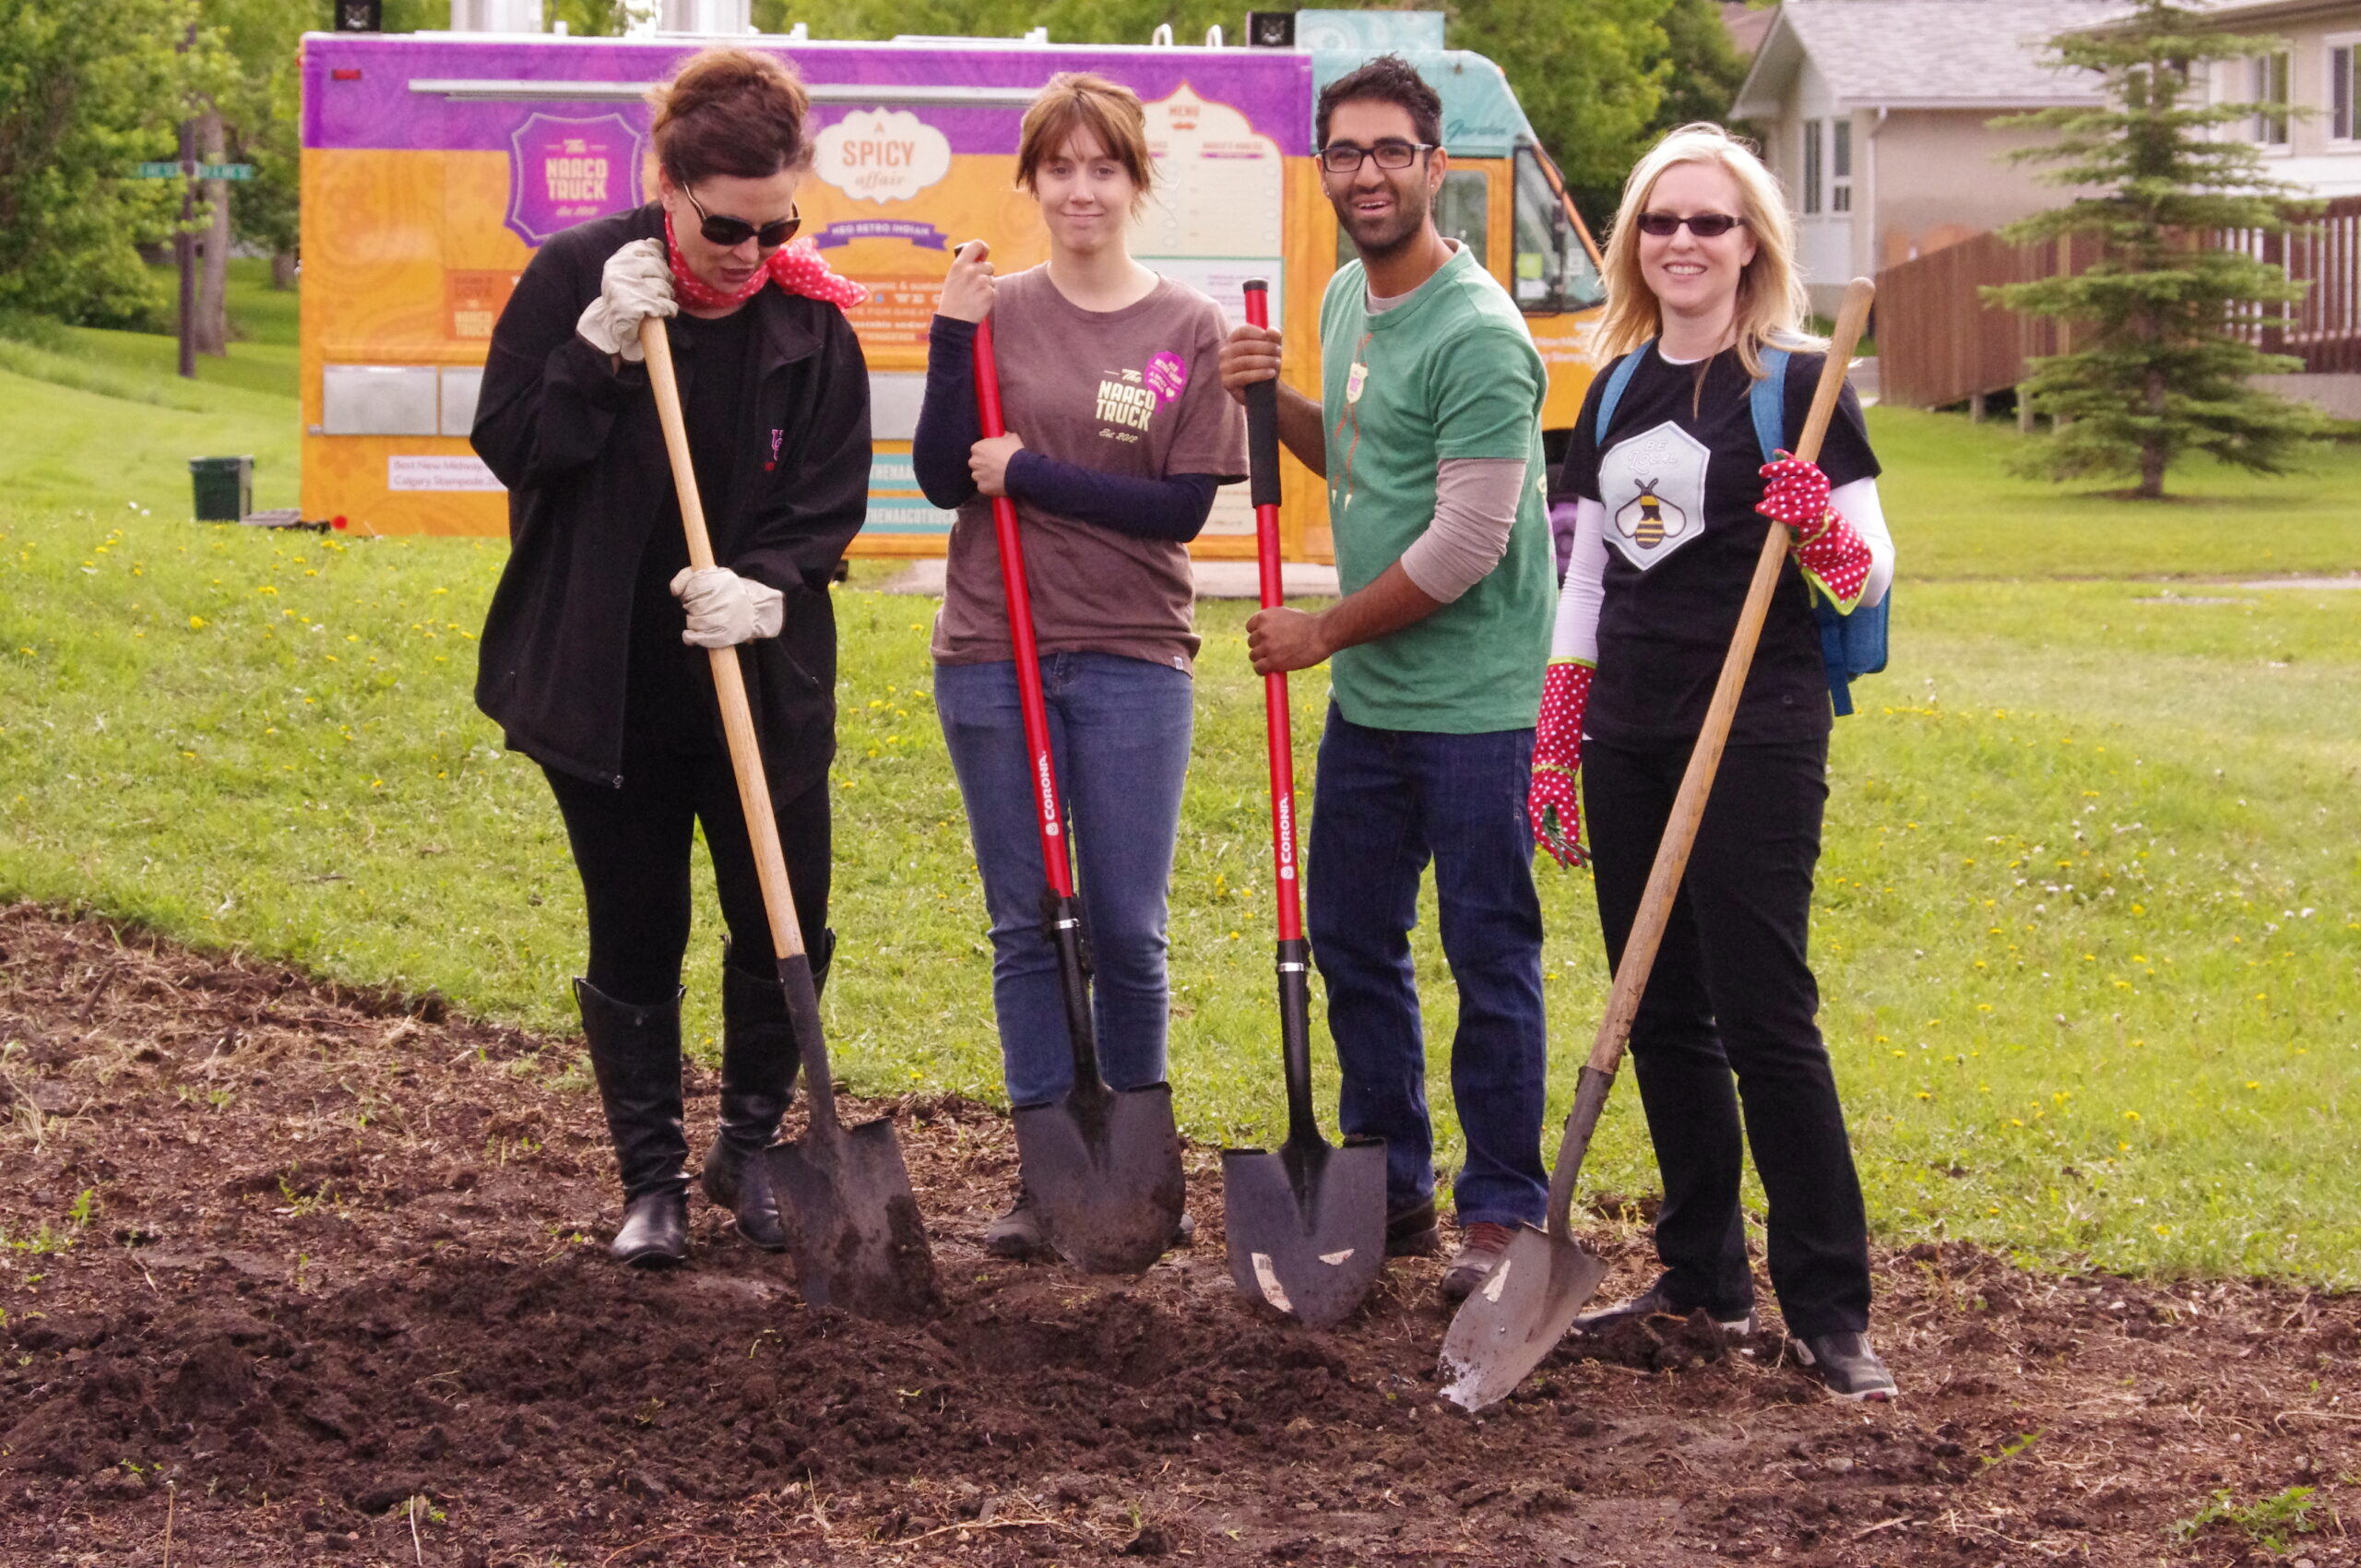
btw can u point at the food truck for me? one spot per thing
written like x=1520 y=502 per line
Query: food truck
x=434 y=163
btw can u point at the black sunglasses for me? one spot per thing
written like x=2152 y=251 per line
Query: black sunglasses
x=731 y=231
x=1344 y=158
x=1705 y=225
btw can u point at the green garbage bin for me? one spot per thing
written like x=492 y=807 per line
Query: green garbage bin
x=225 y=488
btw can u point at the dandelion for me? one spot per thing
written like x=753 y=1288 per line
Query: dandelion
x=2131 y=1116
x=2161 y=1230
x=196 y=623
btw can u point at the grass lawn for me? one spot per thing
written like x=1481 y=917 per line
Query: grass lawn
x=1958 y=514
x=2090 y=915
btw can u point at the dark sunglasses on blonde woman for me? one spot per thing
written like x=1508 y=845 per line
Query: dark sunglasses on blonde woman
x=1705 y=225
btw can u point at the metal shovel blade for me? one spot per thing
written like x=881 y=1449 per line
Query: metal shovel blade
x=1516 y=1318
x=852 y=1224
x=1103 y=1168
x=1306 y=1227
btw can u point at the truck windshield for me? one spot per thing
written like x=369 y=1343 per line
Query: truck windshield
x=1554 y=272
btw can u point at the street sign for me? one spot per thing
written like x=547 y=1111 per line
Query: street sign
x=197 y=171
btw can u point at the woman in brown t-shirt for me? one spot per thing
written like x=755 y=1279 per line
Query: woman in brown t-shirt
x=1119 y=435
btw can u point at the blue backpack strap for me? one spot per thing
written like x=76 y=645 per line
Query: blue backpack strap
x=1616 y=379
x=1769 y=400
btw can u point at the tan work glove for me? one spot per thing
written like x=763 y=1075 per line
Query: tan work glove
x=725 y=609
x=637 y=284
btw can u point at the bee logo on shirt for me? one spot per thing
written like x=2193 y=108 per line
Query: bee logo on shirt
x=1648 y=529
x=1653 y=485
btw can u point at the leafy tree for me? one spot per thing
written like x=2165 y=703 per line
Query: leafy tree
x=1706 y=69
x=1590 y=76
x=1696 y=70
x=85 y=92
x=2161 y=360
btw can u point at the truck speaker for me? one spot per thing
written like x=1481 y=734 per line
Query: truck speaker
x=360 y=15
x=1270 y=29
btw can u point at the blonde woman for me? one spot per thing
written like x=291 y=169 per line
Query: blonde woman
x=1118 y=434
x=1670 y=490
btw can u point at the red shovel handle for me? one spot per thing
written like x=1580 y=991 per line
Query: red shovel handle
x=1047 y=817
x=1262 y=447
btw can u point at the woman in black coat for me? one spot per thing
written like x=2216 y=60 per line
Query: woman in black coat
x=594 y=655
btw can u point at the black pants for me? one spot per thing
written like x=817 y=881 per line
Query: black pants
x=1732 y=993
x=631 y=847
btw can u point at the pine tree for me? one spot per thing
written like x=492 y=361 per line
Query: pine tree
x=2160 y=351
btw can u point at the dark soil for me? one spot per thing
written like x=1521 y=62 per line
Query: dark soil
x=296 y=1274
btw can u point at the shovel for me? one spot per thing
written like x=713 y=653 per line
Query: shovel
x=1518 y=1314
x=1103 y=1165
x=1306 y=1226
x=843 y=1194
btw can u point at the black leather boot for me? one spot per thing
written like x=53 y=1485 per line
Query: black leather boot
x=759 y=1057
x=635 y=1052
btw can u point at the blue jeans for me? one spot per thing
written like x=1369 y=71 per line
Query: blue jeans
x=1119 y=734
x=1384 y=802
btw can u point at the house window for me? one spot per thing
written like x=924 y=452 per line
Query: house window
x=2268 y=90
x=1840 y=166
x=2342 y=59
x=1812 y=166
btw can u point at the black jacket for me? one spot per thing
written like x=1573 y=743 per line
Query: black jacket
x=578 y=446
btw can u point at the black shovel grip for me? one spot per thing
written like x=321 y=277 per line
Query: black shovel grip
x=1262 y=413
x=1294 y=1038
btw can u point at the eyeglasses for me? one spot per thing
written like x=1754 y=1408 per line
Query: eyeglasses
x=731 y=231
x=1705 y=225
x=1344 y=158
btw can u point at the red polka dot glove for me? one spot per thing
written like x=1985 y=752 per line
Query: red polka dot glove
x=1824 y=545
x=1555 y=803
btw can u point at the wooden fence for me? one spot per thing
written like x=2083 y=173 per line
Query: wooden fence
x=1938 y=342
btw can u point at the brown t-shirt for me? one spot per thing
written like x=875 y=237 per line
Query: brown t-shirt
x=1135 y=392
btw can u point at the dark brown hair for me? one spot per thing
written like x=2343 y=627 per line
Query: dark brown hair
x=1389 y=78
x=1110 y=112
x=730 y=112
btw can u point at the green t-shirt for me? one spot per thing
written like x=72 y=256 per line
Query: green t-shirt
x=1449 y=373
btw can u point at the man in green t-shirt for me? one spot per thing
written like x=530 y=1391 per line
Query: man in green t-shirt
x=1429 y=434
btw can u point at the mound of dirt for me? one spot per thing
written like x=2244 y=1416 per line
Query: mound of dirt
x=296 y=1274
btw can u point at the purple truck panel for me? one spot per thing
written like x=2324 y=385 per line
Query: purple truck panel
x=378 y=110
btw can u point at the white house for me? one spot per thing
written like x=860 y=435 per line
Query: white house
x=2314 y=138
x=1873 y=113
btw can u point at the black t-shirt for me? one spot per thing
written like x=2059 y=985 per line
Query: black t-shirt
x=1680 y=479
x=668 y=703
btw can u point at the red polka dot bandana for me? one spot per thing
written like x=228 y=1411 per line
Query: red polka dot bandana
x=795 y=267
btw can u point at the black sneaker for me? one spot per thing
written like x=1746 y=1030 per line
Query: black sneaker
x=1019 y=1233
x=1656 y=1303
x=1845 y=1366
x=1413 y=1232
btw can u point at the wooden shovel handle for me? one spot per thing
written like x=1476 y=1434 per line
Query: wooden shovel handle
x=1696 y=784
x=729 y=681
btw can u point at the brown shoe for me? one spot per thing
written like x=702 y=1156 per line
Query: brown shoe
x=1481 y=1247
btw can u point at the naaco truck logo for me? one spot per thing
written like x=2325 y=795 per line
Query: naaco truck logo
x=883 y=155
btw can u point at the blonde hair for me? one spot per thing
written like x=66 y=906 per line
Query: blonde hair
x=1110 y=112
x=1771 y=305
